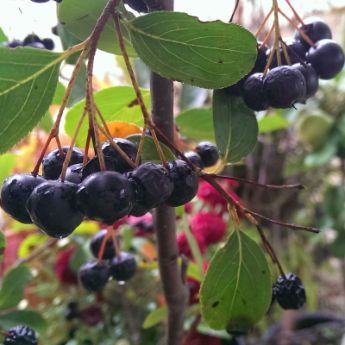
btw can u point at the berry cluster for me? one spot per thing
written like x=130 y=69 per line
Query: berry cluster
x=289 y=292
x=32 y=41
x=21 y=335
x=94 y=275
x=57 y=207
x=296 y=80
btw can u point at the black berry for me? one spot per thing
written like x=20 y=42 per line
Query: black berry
x=105 y=196
x=94 y=275
x=32 y=38
x=185 y=183
x=289 y=292
x=74 y=173
x=194 y=158
x=93 y=166
x=283 y=86
x=123 y=267
x=52 y=208
x=152 y=185
x=327 y=57
x=71 y=311
x=253 y=92
x=137 y=5
x=48 y=43
x=15 y=192
x=39 y=1
x=37 y=45
x=138 y=210
x=120 y=164
x=311 y=79
x=315 y=28
x=21 y=335
x=53 y=161
x=96 y=244
x=208 y=153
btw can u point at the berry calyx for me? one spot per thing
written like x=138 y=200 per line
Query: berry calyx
x=253 y=92
x=74 y=173
x=289 y=292
x=52 y=207
x=21 y=335
x=94 y=275
x=185 y=183
x=15 y=192
x=123 y=267
x=208 y=153
x=105 y=196
x=52 y=163
x=96 y=244
x=327 y=57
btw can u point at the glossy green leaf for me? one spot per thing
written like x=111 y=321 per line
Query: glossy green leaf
x=24 y=317
x=7 y=163
x=59 y=93
x=13 y=285
x=236 y=127
x=149 y=152
x=196 y=124
x=2 y=245
x=272 y=123
x=46 y=122
x=155 y=317
x=236 y=292
x=115 y=103
x=28 y=78
x=79 y=17
x=79 y=87
x=3 y=37
x=181 y=47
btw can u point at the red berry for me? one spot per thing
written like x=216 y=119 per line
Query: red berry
x=62 y=267
x=91 y=315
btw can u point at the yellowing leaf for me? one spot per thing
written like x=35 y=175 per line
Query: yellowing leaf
x=121 y=129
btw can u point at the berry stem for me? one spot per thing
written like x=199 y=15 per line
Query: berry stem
x=234 y=11
x=87 y=147
x=103 y=244
x=285 y=52
x=140 y=146
x=295 y=12
x=267 y=37
x=277 y=31
x=263 y=23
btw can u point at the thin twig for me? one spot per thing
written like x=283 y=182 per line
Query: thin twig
x=234 y=11
x=263 y=23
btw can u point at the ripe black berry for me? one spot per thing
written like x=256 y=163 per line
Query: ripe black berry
x=315 y=28
x=39 y=1
x=311 y=79
x=48 y=43
x=123 y=267
x=152 y=185
x=94 y=275
x=32 y=38
x=208 y=153
x=21 y=335
x=74 y=173
x=52 y=208
x=93 y=166
x=194 y=158
x=253 y=92
x=120 y=164
x=96 y=244
x=13 y=44
x=138 y=5
x=283 y=86
x=138 y=210
x=185 y=183
x=105 y=196
x=289 y=292
x=327 y=57
x=15 y=192
x=53 y=161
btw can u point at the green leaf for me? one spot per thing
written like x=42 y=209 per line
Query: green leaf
x=79 y=87
x=59 y=93
x=236 y=292
x=13 y=285
x=115 y=103
x=196 y=124
x=181 y=47
x=30 y=242
x=46 y=122
x=24 y=317
x=155 y=317
x=79 y=257
x=149 y=152
x=272 y=123
x=28 y=79
x=7 y=163
x=2 y=245
x=79 y=17
x=236 y=127
x=3 y=37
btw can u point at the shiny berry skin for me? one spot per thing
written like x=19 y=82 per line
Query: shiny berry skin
x=194 y=158
x=208 y=153
x=123 y=267
x=185 y=183
x=253 y=92
x=92 y=166
x=283 y=86
x=32 y=38
x=96 y=244
x=52 y=207
x=152 y=185
x=105 y=196
x=39 y=1
x=94 y=275
x=52 y=163
x=13 y=44
x=48 y=43
x=120 y=164
x=311 y=79
x=289 y=292
x=21 y=335
x=15 y=192
x=327 y=57
x=137 y=5
x=315 y=28
x=74 y=173
x=138 y=210
x=37 y=45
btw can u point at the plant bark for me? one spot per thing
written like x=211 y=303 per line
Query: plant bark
x=165 y=218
